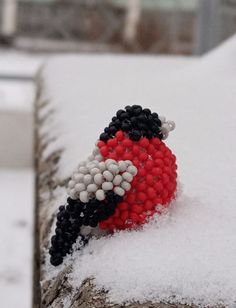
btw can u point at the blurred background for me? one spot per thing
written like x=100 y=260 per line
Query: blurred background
x=32 y=31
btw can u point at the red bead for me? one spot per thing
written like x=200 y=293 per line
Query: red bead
x=135 y=149
x=151 y=149
x=131 y=198
x=156 y=171
x=143 y=156
x=134 y=217
x=159 y=162
x=112 y=142
x=120 y=135
x=148 y=205
x=124 y=215
x=118 y=222
x=101 y=143
x=151 y=192
x=149 y=164
x=113 y=156
x=158 y=154
x=142 y=172
x=127 y=143
x=165 y=178
x=156 y=142
x=104 y=151
x=144 y=142
x=136 y=208
x=128 y=156
x=141 y=196
x=158 y=186
x=149 y=179
x=119 y=150
x=141 y=186
x=123 y=206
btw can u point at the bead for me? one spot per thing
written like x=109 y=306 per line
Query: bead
x=78 y=177
x=127 y=143
x=71 y=184
x=151 y=193
x=113 y=168
x=107 y=186
x=104 y=151
x=83 y=196
x=141 y=196
x=104 y=136
x=125 y=185
x=123 y=206
x=119 y=150
x=98 y=178
x=102 y=166
x=120 y=135
x=143 y=156
x=119 y=191
x=94 y=171
x=112 y=142
x=108 y=175
x=100 y=195
x=87 y=179
x=80 y=187
x=122 y=166
x=109 y=161
x=127 y=176
x=100 y=143
x=137 y=208
x=132 y=170
x=149 y=164
x=92 y=188
x=83 y=170
x=144 y=142
x=117 y=180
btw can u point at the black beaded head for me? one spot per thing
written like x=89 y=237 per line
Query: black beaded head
x=136 y=122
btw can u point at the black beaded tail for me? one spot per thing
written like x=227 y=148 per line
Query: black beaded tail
x=72 y=217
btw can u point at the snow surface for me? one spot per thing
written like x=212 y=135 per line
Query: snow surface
x=189 y=254
x=16 y=218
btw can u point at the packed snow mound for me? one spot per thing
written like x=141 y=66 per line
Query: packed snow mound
x=187 y=255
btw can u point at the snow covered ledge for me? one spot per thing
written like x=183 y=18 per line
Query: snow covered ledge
x=171 y=261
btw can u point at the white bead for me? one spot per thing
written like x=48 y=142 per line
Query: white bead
x=91 y=157
x=162 y=119
x=80 y=187
x=128 y=162
x=102 y=166
x=107 y=186
x=83 y=170
x=92 y=188
x=94 y=171
x=113 y=168
x=73 y=194
x=95 y=151
x=108 y=175
x=100 y=195
x=78 y=177
x=83 y=196
x=87 y=179
x=132 y=169
x=119 y=191
x=109 y=161
x=90 y=166
x=98 y=157
x=81 y=164
x=117 y=180
x=127 y=176
x=171 y=125
x=122 y=165
x=98 y=179
x=71 y=184
x=125 y=185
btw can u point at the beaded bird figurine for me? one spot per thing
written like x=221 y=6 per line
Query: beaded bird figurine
x=128 y=178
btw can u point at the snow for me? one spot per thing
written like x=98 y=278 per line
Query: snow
x=187 y=255
x=16 y=237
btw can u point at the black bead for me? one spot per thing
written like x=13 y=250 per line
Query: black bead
x=135 y=135
x=147 y=111
x=56 y=260
x=119 y=112
x=104 y=137
x=61 y=208
x=112 y=130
